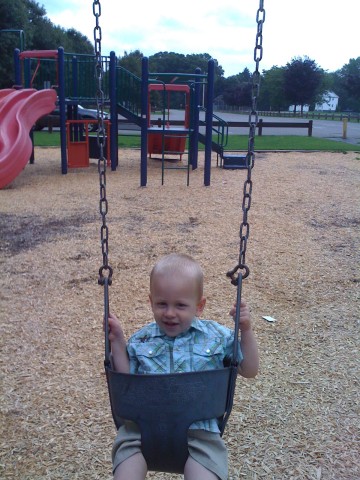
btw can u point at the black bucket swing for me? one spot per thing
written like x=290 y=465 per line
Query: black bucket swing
x=165 y=405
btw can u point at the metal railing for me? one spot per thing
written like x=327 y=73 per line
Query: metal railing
x=220 y=129
x=128 y=91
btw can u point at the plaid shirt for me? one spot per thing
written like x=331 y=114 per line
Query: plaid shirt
x=203 y=347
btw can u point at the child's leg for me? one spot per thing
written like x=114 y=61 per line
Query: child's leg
x=194 y=471
x=133 y=468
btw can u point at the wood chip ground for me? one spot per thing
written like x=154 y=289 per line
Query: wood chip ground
x=299 y=419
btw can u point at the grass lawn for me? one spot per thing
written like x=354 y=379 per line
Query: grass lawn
x=291 y=142
x=235 y=142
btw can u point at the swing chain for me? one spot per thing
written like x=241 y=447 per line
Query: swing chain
x=250 y=156
x=105 y=271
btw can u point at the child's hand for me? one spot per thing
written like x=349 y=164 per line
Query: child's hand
x=245 y=322
x=120 y=359
x=115 y=331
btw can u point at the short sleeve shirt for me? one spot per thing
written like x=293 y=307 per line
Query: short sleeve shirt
x=202 y=347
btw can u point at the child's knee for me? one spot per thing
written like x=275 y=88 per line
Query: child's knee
x=194 y=470
x=133 y=467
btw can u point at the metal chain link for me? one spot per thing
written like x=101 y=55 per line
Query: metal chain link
x=244 y=232
x=105 y=271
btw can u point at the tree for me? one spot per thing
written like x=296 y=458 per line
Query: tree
x=237 y=89
x=171 y=62
x=13 y=16
x=39 y=32
x=180 y=63
x=272 y=90
x=76 y=42
x=303 y=82
x=348 y=84
x=132 y=62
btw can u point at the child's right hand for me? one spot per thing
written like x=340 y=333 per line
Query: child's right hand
x=115 y=331
x=118 y=345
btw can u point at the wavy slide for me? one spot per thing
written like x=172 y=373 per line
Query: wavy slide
x=19 y=110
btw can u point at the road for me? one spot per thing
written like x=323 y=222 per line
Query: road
x=330 y=129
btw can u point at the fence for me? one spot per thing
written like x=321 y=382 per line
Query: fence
x=351 y=116
x=314 y=115
x=261 y=125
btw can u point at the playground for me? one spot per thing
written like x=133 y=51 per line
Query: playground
x=298 y=419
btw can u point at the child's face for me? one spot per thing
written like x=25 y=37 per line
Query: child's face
x=175 y=302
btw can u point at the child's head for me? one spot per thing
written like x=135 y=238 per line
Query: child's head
x=183 y=267
x=176 y=292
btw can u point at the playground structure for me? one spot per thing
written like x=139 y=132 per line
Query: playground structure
x=81 y=146
x=71 y=76
x=173 y=141
x=164 y=138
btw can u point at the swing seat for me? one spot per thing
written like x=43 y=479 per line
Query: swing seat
x=234 y=162
x=164 y=406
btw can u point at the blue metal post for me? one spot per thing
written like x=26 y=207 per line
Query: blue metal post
x=114 y=154
x=195 y=135
x=208 y=117
x=61 y=93
x=75 y=78
x=75 y=130
x=144 y=120
x=17 y=68
x=27 y=73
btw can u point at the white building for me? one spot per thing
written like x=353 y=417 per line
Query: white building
x=329 y=103
x=298 y=108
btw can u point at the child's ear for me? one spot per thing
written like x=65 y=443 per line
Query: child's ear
x=200 y=306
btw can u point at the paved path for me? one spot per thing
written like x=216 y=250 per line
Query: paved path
x=330 y=129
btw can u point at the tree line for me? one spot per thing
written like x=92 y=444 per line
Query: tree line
x=300 y=82
x=39 y=33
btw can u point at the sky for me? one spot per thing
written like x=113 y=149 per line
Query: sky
x=327 y=32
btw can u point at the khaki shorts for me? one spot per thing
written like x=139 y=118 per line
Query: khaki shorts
x=207 y=448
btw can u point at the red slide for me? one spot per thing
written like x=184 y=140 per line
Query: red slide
x=19 y=110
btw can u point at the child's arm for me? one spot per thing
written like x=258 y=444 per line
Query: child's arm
x=118 y=346
x=250 y=364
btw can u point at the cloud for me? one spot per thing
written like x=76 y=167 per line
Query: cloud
x=192 y=27
x=225 y=30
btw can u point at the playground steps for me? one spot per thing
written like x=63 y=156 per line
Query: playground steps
x=215 y=147
x=131 y=116
x=234 y=161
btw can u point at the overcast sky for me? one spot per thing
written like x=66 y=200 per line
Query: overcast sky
x=327 y=32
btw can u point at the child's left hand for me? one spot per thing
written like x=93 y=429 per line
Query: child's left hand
x=245 y=322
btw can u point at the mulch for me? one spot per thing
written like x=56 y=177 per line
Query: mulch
x=299 y=419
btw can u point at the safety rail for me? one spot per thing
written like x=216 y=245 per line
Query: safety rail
x=40 y=73
x=128 y=91
x=220 y=128
x=41 y=70
x=79 y=76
